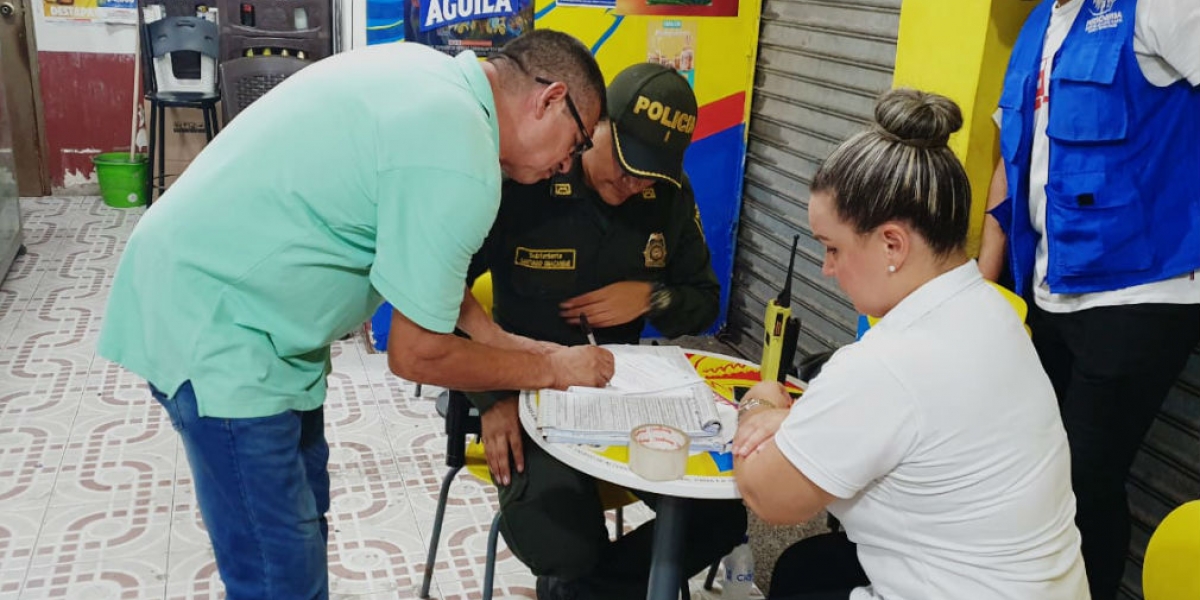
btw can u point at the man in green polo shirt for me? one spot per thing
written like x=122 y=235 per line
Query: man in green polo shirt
x=372 y=174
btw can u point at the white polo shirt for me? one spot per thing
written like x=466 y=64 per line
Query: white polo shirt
x=940 y=435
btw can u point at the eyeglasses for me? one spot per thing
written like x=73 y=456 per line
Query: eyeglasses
x=584 y=145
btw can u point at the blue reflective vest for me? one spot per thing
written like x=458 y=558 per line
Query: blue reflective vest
x=1123 y=198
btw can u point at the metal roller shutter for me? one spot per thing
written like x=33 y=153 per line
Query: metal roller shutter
x=1166 y=473
x=821 y=64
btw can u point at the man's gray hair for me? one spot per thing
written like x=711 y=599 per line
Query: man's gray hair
x=555 y=56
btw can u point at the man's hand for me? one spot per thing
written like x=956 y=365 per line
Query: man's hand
x=612 y=305
x=589 y=366
x=502 y=432
x=510 y=341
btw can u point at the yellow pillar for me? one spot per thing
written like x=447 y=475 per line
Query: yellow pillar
x=960 y=49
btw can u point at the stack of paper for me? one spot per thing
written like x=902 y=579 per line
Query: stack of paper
x=607 y=418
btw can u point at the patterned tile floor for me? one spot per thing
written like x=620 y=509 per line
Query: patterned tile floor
x=95 y=489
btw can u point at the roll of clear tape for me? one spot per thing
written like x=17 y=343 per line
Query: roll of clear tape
x=658 y=452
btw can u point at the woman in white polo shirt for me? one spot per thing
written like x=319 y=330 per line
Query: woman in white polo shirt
x=935 y=439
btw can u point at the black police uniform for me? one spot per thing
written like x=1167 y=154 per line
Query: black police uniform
x=555 y=240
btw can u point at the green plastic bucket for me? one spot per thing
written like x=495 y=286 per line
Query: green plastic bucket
x=123 y=184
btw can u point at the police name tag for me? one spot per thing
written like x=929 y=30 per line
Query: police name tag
x=546 y=259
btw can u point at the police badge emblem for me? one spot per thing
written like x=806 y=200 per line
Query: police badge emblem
x=656 y=251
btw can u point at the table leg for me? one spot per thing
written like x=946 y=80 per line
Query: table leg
x=666 y=562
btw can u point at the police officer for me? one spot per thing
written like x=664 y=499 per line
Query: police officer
x=619 y=240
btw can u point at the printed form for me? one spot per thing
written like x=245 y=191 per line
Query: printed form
x=647 y=370
x=607 y=419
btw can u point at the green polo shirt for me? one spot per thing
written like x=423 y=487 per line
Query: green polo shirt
x=371 y=174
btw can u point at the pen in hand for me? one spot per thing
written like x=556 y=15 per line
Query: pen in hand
x=587 y=329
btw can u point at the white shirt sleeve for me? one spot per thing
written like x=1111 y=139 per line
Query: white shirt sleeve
x=1169 y=30
x=853 y=425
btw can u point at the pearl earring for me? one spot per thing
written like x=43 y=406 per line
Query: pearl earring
x=891 y=268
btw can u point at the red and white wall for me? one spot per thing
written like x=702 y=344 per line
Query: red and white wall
x=86 y=72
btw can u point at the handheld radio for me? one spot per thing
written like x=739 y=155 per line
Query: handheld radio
x=781 y=330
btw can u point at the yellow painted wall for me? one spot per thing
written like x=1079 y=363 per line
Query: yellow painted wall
x=960 y=49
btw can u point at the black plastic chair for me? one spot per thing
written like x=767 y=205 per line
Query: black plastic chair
x=462 y=420
x=174 y=47
x=244 y=80
x=302 y=28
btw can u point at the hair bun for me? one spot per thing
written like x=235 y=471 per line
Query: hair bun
x=917 y=118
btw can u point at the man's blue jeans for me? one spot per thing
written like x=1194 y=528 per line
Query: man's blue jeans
x=263 y=489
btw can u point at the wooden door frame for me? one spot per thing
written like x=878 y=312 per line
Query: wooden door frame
x=22 y=85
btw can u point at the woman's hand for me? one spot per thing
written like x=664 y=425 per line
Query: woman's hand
x=772 y=392
x=763 y=409
x=755 y=428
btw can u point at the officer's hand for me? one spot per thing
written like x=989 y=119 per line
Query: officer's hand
x=611 y=305
x=589 y=366
x=501 y=433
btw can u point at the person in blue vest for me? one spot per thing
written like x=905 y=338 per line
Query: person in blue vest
x=1100 y=145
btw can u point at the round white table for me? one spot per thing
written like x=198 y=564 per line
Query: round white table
x=709 y=474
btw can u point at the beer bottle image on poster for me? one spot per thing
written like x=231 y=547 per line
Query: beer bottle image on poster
x=672 y=43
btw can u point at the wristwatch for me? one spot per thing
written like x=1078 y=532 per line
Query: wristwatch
x=748 y=404
x=660 y=298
